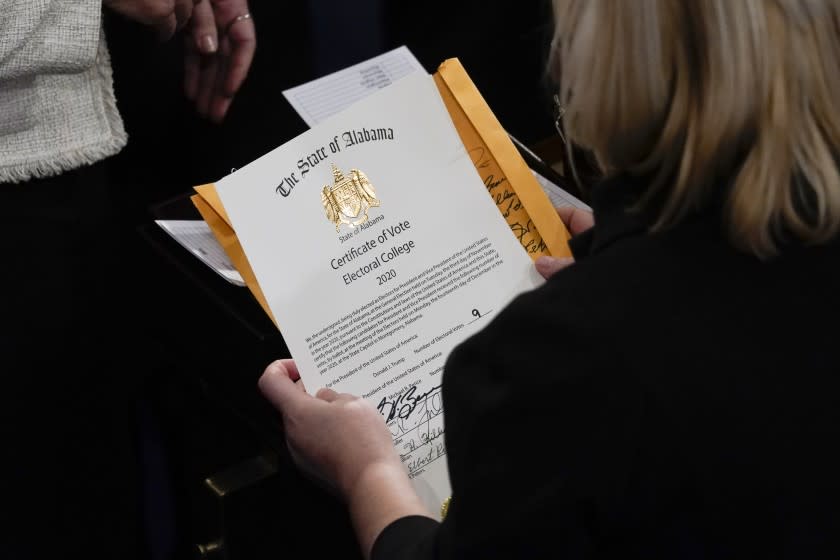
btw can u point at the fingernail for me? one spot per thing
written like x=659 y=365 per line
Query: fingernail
x=274 y=368
x=207 y=44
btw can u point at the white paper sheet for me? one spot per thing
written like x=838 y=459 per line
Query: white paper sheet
x=374 y=310
x=559 y=196
x=195 y=236
x=316 y=100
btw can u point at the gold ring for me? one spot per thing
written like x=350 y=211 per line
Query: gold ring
x=236 y=20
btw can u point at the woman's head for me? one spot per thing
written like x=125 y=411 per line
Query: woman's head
x=697 y=93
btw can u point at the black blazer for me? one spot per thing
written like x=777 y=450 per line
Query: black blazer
x=664 y=397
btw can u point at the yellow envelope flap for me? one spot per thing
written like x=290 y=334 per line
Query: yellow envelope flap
x=230 y=243
x=211 y=197
x=510 y=181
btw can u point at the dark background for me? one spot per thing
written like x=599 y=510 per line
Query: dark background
x=185 y=407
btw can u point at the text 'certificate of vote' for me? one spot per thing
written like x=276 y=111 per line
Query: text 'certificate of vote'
x=378 y=250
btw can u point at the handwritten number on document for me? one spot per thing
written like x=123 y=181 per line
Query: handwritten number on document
x=478 y=315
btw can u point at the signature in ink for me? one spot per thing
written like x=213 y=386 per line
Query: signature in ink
x=415 y=465
x=404 y=405
x=420 y=420
x=426 y=436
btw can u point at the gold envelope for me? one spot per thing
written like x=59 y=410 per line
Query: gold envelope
x=207 y=201
x=508 y=179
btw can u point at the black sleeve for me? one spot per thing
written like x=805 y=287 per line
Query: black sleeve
x=408 y=537
x=581 y=243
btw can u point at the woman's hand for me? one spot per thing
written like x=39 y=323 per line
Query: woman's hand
x=220 y=44
x=220 y=48
x=344 y=440
x=577 y=221
x=339 y=436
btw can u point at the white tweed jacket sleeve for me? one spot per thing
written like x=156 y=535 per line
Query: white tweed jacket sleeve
x=57 y=106
x=48 y=36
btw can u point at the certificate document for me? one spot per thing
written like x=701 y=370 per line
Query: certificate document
x=378 y=250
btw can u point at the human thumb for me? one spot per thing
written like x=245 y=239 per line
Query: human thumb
x=276 y=385
x=549 y=266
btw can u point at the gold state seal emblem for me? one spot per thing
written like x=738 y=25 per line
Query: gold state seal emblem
x=349 y=198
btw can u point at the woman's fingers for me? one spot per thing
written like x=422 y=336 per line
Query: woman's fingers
x=291 y=368
x=219 y=50
x=200 y=64
x=203 y=30
x=237 y=46
x=192 y=69
x=206 y=84
x=237 y=53
x=166 y=27
x=576 y=219
x=160 y=15
x=183 y=13
x=220 y=103
x=278 y=387
x=326 y=394
x=549 y=266
x=242 y=37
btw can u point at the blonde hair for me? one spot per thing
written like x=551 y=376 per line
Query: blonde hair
x=700 y=94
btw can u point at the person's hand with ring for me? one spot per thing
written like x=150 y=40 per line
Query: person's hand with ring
x=220 y=48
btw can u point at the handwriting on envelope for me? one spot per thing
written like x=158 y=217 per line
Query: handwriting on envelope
x=507 y=201
x=523 y=204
